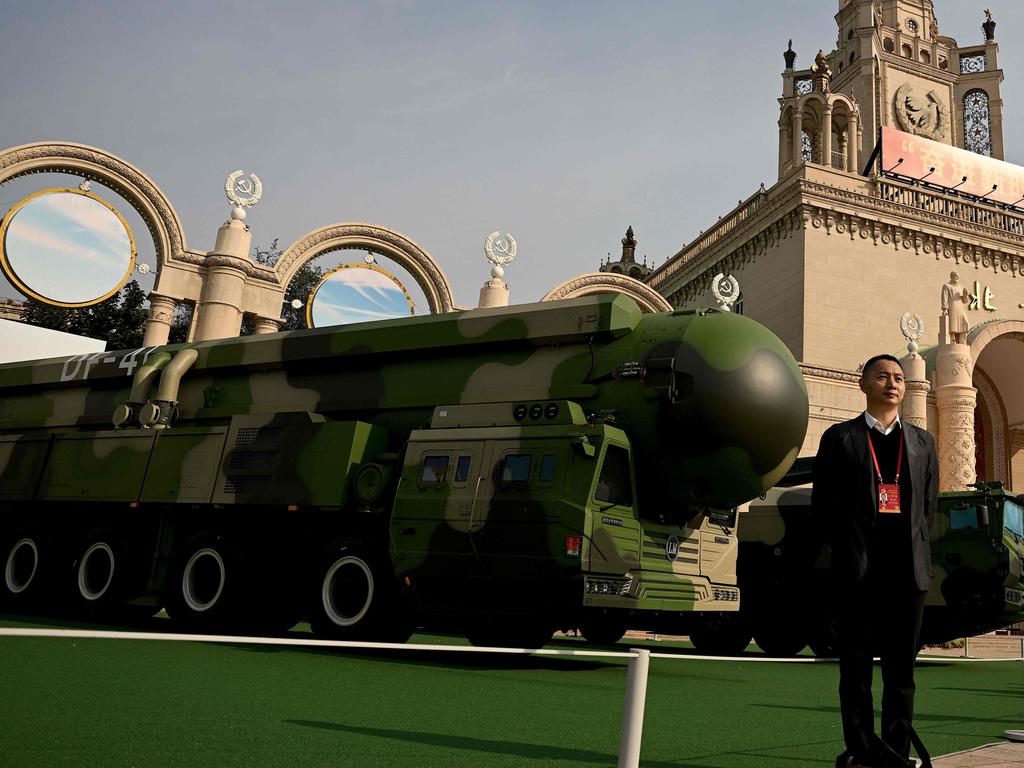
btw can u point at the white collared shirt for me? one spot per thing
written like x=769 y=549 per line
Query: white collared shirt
x=874 y=423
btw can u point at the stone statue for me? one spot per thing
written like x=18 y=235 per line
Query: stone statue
x=954 y=300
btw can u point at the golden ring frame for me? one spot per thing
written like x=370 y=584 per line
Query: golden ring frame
x=8 y=269
x=375 y=268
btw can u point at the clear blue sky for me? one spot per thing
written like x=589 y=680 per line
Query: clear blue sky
x=562 y=122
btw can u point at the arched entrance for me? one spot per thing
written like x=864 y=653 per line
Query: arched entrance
x=112 y=172
x=646 y=297
x=997 y=348
x=387 y=242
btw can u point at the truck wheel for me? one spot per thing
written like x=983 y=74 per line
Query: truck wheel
x=781 y=640
x=603 y=630
x=27 y=570
x=721 y=634
x=357 y=598
x=206 y=584
x=105 y=577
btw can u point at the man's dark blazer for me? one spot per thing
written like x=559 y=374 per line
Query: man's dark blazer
x=845 y=497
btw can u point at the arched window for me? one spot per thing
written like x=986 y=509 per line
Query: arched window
x=908 y=52
x=977 y=123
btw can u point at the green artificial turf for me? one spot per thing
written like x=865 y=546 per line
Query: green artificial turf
x=102 y=702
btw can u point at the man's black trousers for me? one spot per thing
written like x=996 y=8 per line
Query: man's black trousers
x=884 y=619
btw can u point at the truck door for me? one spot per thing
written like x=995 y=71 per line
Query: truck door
x=435 y=503
x=613 y=527
x=516 y=508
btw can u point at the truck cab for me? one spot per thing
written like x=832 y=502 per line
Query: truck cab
x=525 y=515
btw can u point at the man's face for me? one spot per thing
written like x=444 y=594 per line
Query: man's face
x=883 y=384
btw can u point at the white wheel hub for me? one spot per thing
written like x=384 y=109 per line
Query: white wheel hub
x=202 y=580
x=96 y=571
x=347 y=591
x=22 y=563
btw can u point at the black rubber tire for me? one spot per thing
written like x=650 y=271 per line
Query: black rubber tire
x=780 y=639
x=29 y=563
x=354 y=596
x=508 y=632
x=603 y=630
x=721 y=634
x=105 y=575
x=207 y=585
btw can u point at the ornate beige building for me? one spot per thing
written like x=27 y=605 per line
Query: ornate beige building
x=835 y=252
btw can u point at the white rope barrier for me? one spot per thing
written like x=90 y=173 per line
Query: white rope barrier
x=636 y=676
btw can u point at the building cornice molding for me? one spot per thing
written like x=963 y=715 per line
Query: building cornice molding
x=806 y=204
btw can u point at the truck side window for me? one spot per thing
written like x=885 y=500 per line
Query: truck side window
x=516 y=468
x=435 y=469
x=547 y=468
x=963 y=516
x=613 y=484
x=462 y=468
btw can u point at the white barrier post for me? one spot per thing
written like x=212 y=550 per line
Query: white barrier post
x=633 y=712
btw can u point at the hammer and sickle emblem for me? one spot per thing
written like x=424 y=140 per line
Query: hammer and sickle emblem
x=243 y=190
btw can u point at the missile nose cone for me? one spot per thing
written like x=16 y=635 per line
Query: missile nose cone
x=746 y=411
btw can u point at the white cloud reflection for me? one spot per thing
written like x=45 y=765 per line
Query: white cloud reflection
x=358 y=295
x=68 y=247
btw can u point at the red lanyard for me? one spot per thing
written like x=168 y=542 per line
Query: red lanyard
x=899 y=461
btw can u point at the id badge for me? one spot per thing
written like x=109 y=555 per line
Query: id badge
x=889 y=498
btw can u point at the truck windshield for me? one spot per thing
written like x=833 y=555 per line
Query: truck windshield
x=1013 y=517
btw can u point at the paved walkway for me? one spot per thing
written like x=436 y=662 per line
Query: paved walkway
x=1005 y=754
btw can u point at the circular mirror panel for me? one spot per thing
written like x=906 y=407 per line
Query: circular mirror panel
x=66 y=247
x=357 y=293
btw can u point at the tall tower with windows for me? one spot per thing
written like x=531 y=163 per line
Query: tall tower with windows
x=890 y=67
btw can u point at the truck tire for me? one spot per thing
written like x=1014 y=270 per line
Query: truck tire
x=105 y=576
x=206 y=585
x=781 y=639
x=28 y=564
x=356 y=597
x=721 y=634
x=603 y=630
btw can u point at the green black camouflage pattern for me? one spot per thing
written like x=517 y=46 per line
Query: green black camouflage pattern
x=322 y=433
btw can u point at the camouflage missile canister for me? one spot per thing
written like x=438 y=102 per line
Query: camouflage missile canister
x=711 y=404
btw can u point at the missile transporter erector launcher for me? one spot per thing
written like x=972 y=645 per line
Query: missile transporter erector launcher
x=503 y=471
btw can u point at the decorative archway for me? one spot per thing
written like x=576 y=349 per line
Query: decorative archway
x=997 y=355
x=387 y=242
x=589 y=283
x=112 y=172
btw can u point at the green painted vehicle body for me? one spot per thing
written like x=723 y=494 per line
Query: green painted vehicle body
x=977 y=559
x=295 y=445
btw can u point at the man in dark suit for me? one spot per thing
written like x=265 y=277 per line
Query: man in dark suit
x=875 y=491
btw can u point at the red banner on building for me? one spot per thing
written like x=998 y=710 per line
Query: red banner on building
x=920 y=155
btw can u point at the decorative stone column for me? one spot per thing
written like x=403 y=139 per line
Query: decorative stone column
x=266 y=325
x=798 y=135
x=915 y=404
x=826 y=137
x=158 y=324
x=955 y=398
x=785 y=145
x=220 y=304
x=852 y=144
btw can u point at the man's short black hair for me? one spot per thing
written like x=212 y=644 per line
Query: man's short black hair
x=872 y=360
